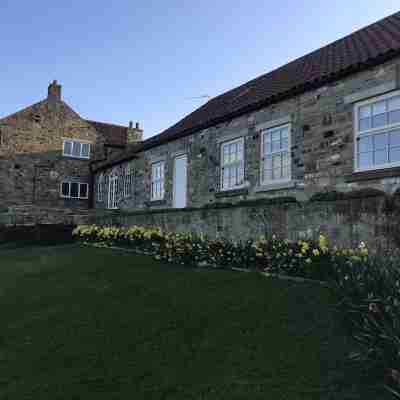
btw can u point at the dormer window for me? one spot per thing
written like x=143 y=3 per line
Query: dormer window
x=76 y=149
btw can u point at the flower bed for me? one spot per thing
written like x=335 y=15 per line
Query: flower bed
x=368 y=287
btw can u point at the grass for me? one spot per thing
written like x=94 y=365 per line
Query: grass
x=85 y=323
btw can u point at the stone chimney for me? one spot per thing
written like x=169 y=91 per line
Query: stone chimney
x=54 y=91
x=135 y=134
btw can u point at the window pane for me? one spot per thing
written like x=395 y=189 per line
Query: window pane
x=379 y=120
x=285 y=143
x=394 y=117
x=285 y=158
x=380 y=141
x=277 y=173
x=379 y=107
x=395 y=138
x=285 y=171
x=74 y=189
x=395 y=154
x=365 y=160
x=365 y=144
x=267 y=143
x=276 y=135
x=276 y=161
x=65 y=189
x=76 y=149
x=365 y=123
x=84 y=190
x=67 y=148
x=268 y=162
x=268 y=175
x=394 y=103
x=276 y=145
x=364 y=112
x=285 y=132
x=380 y=157
x=240 y=151
x=85 y=150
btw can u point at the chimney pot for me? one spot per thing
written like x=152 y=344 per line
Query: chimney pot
x=137 y=125
x=130 y=124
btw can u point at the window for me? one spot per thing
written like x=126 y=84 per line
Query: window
x=128 y=181
x=157 y=181
x=113 y=191
x=275 y=155
x=377 y=124
x=76 y=149
x=100 y=188
x=74 y=190
x=232 y=164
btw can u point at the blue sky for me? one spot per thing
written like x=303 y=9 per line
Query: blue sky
x=148 y=61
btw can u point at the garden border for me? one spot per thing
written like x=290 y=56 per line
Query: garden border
x=265 y=274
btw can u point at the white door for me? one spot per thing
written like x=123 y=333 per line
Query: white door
x=112 y=192
x=180 y=181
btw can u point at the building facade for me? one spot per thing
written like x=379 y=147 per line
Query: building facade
x=47 y=151
x=327 y=122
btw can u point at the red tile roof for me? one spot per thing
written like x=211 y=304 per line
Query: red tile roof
x=116 y=135
x=362 y=49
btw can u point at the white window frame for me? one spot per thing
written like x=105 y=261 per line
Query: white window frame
x=79 y=190
x=372 y=131
x=128 y=181
x=100 y=188
x=223 y=166
x=268 y=182
x=112 y=199
x=154 y=196
x=81 y=142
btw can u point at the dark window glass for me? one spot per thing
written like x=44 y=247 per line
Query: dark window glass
x=84 y=191
x=65 y=189
x=74 y=189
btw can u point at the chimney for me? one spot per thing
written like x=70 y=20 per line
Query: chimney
x=54 y=91
x=135 y=134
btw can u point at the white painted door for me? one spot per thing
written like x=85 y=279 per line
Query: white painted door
x=112 y=192
x=180 y=181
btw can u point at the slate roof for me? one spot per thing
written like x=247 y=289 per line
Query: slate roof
x=362 y=49
x=116 y=135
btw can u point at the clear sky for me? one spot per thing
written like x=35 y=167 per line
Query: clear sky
x=149 y=61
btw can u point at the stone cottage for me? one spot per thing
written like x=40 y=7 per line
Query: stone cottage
x=47 y=150
x=323 y=128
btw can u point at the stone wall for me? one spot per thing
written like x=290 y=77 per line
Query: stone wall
x=35 y=215
x=322 y=148
x=347 y=219
x=32 y=165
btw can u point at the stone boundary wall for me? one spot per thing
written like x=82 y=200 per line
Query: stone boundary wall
x=346 y=219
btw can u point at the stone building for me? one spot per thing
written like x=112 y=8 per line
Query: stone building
x=325 y=126
x=47 y=150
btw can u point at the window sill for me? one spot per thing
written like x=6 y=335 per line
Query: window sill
x=275 y=186
x=374 y=174
x=232 y=192
x=155 y=203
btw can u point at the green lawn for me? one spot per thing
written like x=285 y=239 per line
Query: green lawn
x=83 y=323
